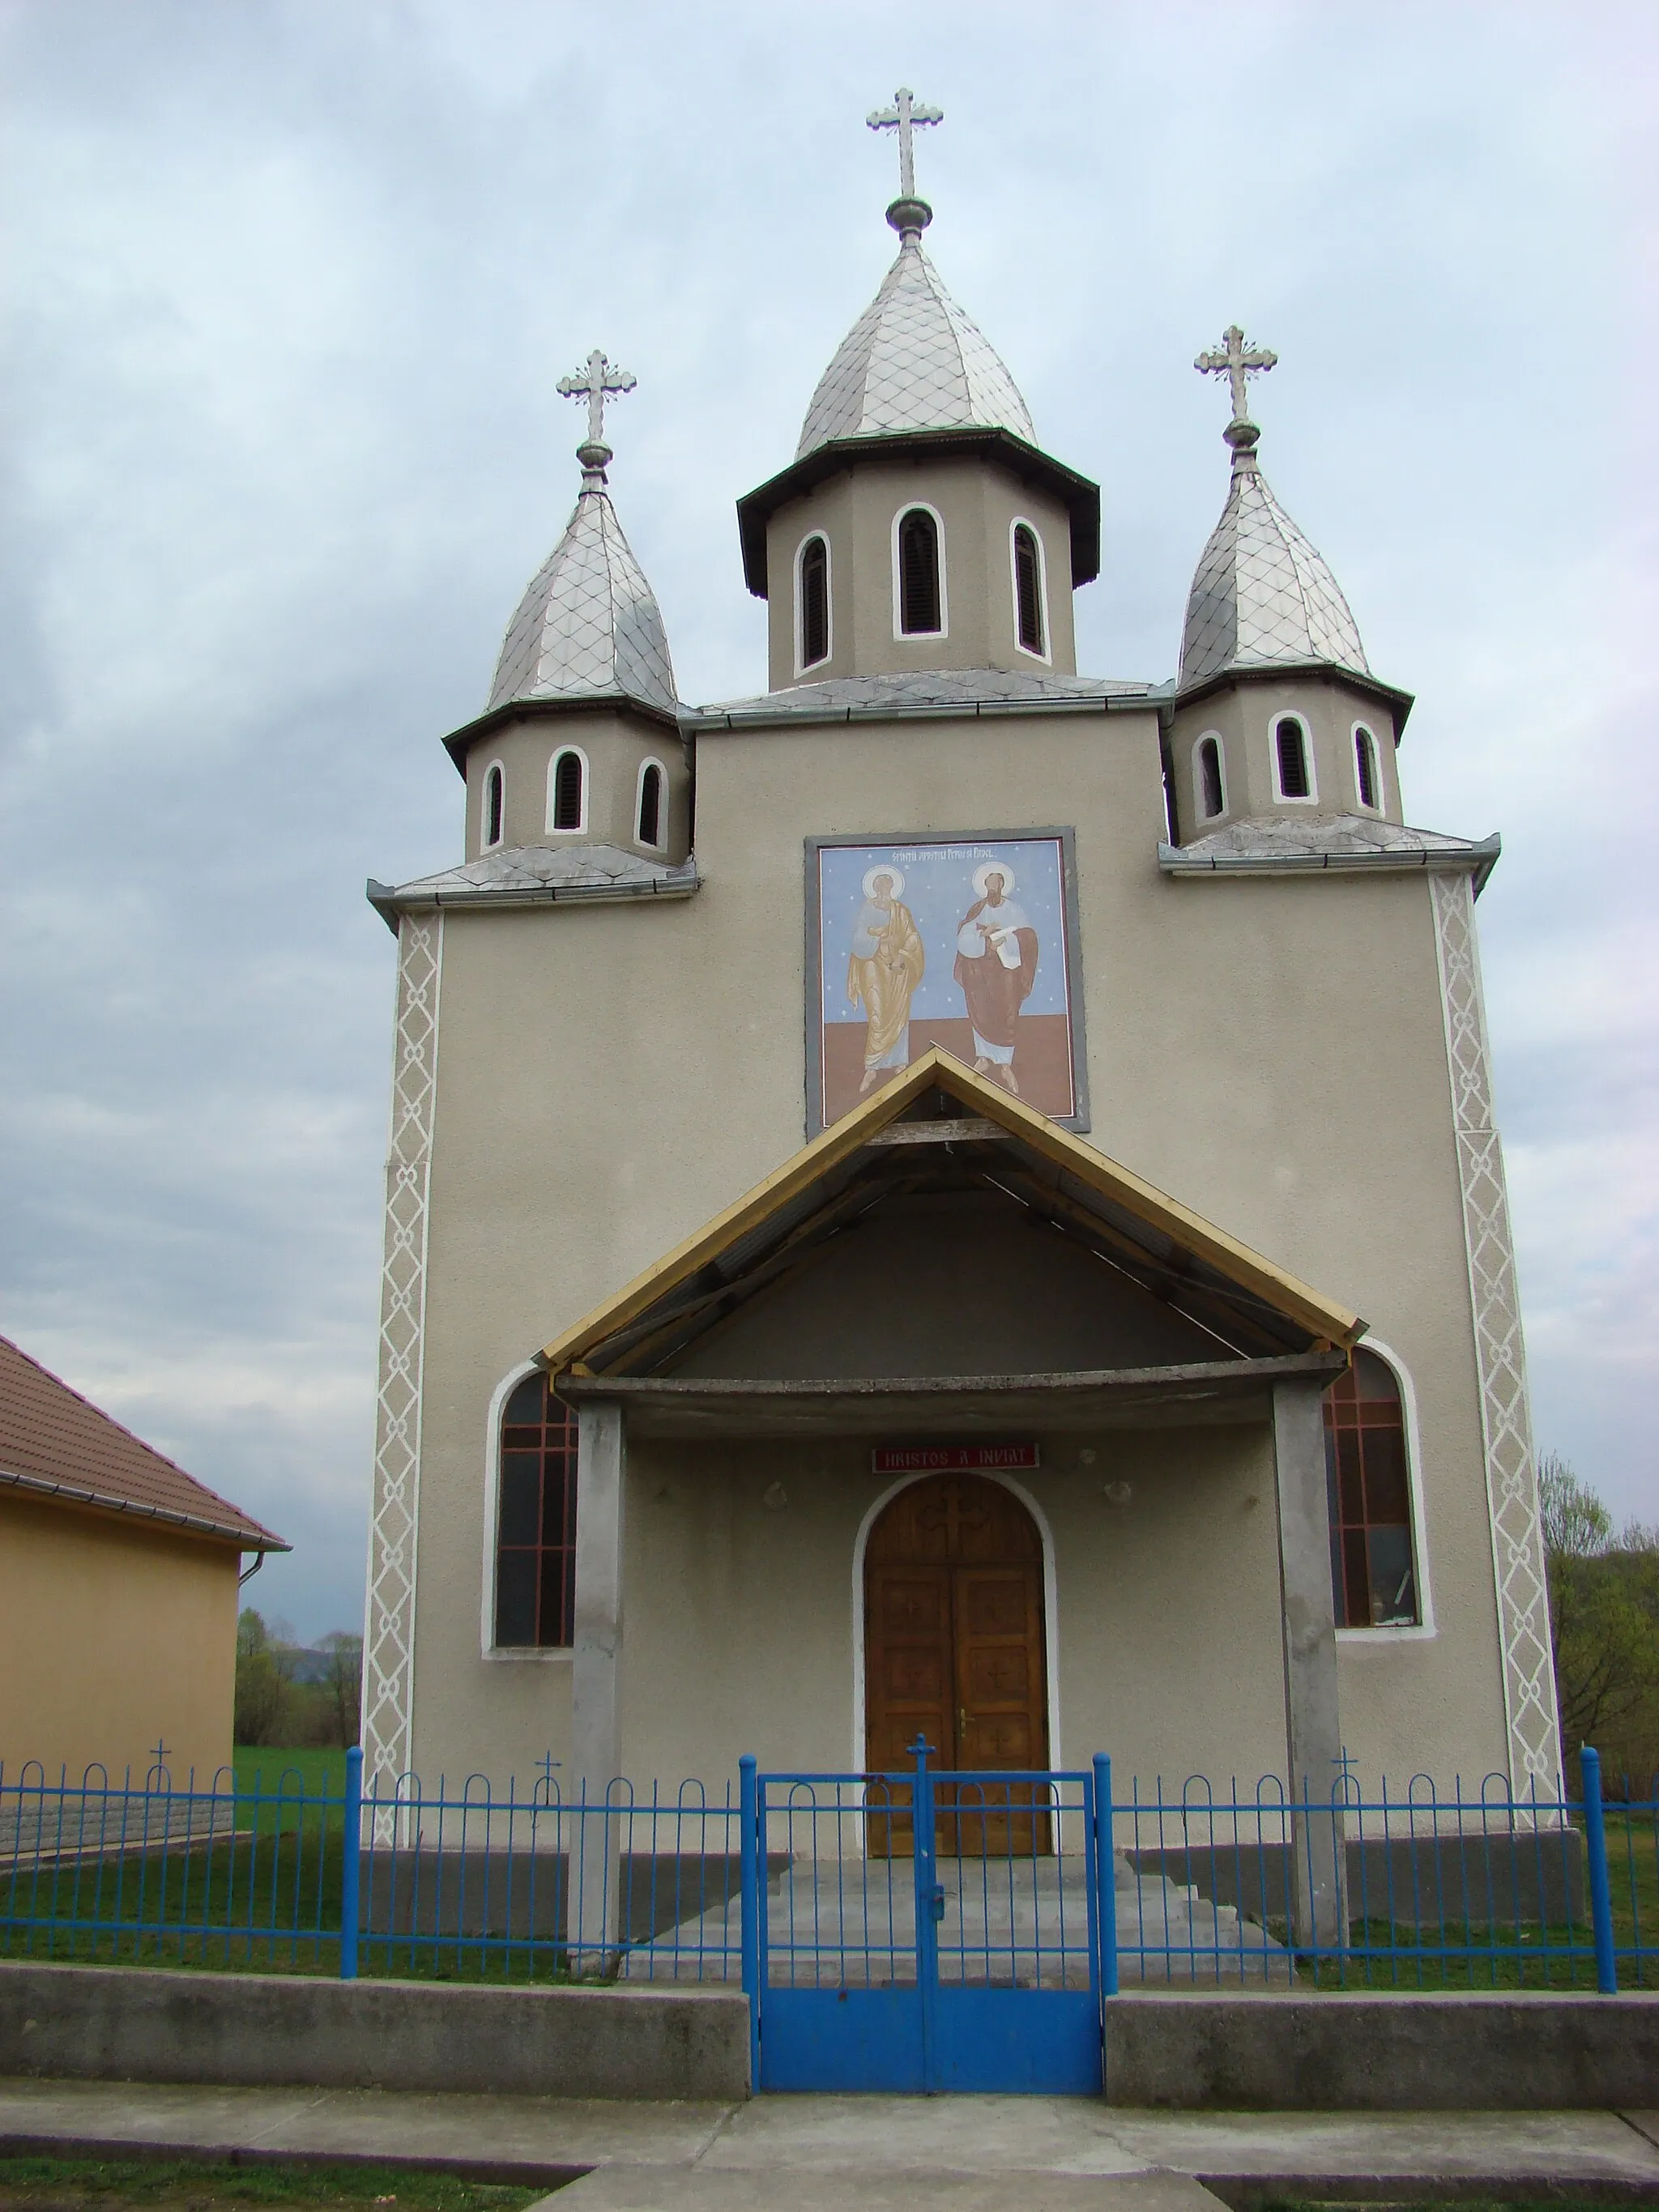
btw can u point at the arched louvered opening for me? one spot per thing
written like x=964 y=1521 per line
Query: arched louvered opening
x=814 y=602
x=568 y=791
x=1290 y=756
x=1028 y=590
x=650 y=812
x=1365 y=766
x=494 y=800
x=1212 y=797
x=920 y=598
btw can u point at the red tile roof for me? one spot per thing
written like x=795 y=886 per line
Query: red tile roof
x=56 y=1444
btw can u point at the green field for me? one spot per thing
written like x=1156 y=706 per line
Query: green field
x=86 y=2185
x=260 y=1768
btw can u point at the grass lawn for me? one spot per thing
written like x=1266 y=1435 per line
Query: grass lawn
x=260 y=1767
x=78 y=2184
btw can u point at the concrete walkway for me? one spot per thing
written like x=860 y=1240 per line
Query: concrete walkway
x=832 y=2154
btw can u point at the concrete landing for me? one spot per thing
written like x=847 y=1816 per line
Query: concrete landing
x=818 y=2153
x=1008 y=1922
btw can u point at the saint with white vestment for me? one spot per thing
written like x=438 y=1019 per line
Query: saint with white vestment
x=996 y=966
x=883 y=967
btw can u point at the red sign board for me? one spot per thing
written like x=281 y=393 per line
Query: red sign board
x=950 y=1459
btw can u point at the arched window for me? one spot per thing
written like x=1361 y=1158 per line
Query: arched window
x=567 y=791
x=1291 y=758
x=1211 y=799
x=1028 y=589
x=495 y=793
x=1373 y=1555
x=814 y=602
x=650 y=810
x=918 y=573
x=536 y=1521
x=1364 y=765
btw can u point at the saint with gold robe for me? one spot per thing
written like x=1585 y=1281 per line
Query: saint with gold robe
x=883 y=970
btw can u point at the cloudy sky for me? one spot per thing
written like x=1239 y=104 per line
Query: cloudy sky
x=287 y=286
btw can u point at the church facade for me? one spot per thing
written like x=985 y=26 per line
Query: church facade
x=950 y=1194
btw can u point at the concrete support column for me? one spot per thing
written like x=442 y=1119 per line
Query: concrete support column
x=595 y=1842
x=1313 y=1728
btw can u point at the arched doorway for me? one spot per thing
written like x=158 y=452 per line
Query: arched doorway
x=955 y=1650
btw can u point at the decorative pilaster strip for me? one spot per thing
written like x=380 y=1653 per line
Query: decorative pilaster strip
x=1523 y=1620
x=389 y=1629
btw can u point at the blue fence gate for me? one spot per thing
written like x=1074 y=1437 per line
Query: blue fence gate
x=926 y=1931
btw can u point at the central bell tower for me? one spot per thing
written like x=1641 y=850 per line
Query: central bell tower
x=920 y=526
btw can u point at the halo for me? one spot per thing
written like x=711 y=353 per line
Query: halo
x=1010 y=881
x=872 y=876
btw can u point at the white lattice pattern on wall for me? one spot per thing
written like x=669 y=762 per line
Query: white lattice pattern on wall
x=1535 y=1747
x=389 y=1631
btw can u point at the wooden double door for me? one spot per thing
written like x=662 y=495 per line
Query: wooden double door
x=954 y=1651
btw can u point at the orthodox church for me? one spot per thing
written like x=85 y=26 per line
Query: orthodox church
x=1071 y=1308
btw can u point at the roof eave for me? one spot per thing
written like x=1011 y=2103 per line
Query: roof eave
x=460 y=742
x=247 y=1536
x=1080 y=497
x=1400 y=704
x=1476 y=860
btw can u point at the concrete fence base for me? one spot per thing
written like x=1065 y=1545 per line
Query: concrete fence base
x=1336 y=2052
x=138 y=2023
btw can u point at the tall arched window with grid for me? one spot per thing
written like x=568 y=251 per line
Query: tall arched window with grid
x=1373 y=1551
x=536 y=1522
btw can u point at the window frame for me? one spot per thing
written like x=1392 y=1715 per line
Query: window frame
x=1363 y=734
x=1422 y=1629
x=802 y=663
x=1023 y=522
x=1311 y=797
x=487 y=843
x=578 y=828
x=901 y=636
x=1200 y=812
x=660 y=843
x=506 y=1654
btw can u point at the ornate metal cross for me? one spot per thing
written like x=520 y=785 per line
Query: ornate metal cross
x=596 y=384
x=905 y=113
x=1238 y=362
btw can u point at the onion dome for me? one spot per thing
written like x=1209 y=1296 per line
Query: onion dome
x=589 y=626
x=1261 y=597
x=913 y=360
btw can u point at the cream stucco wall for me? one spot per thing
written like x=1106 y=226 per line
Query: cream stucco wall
x=114 y=1635
x=1270 y=1052
x=977 y=507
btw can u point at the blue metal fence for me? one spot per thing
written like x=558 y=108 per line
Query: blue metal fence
x=1050 y=1882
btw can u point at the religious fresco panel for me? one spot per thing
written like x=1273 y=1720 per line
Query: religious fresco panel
x=967 y=943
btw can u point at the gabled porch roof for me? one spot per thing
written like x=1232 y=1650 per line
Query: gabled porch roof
x=940 y=1129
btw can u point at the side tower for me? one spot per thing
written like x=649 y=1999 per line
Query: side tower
x=1281 y=762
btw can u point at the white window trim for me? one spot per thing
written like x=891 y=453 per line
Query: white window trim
x=1281 y=797
x=1025 y=522
x=514 y=1654
x=486 y=844
x=580 y=830
x=1380 y=805
x=901 y=635
x=1050 y=1615
x=1199 y=814
x=662 y=845
x=1425 y=1630
x=801 y=663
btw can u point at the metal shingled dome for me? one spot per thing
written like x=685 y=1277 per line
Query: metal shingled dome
x=1261 y=593
x=589 y=624
x=912 y=361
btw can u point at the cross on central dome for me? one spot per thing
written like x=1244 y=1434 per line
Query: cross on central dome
x=913 y=360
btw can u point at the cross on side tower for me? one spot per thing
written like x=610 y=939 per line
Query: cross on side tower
x=904 y=116
x=596 y=383
x=1238 y=362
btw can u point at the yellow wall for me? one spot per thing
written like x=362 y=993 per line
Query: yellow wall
x=113 y=1634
